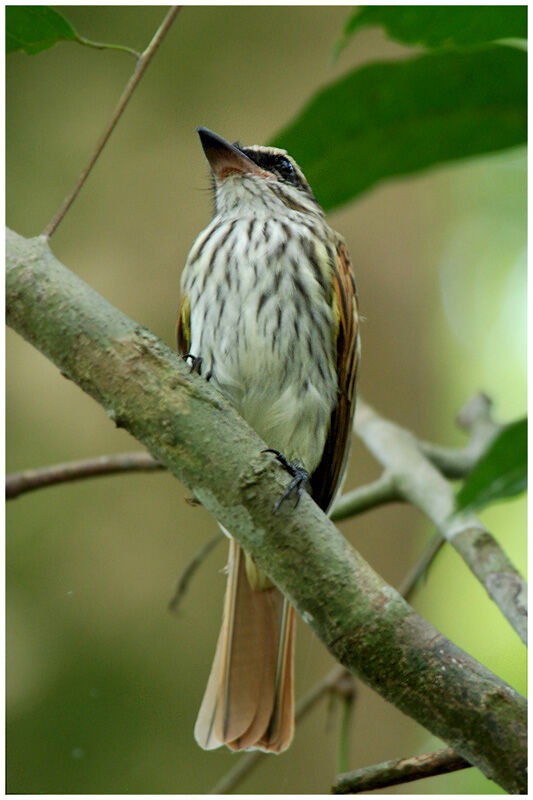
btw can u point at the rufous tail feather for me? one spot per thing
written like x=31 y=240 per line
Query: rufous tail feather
x=249 y=699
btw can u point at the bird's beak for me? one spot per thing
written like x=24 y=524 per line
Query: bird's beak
x=224 y=158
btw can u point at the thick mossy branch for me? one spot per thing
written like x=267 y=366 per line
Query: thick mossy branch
x=187 y=426
x=452 y=462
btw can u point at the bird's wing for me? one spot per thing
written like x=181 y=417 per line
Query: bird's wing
x=327 y=476
x=183 y=327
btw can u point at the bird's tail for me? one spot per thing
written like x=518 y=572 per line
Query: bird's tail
x=249 y=699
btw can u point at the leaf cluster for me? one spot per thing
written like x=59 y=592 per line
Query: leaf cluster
x=465 y=95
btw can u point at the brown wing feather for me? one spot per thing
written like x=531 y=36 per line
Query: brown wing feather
x=327 y=476
x=183 y=327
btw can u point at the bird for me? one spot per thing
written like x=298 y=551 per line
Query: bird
x=269 y=315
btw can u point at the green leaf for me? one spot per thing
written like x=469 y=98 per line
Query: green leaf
x=502 y=472
x=442 y=26
x=35 y=28
x=399 y=117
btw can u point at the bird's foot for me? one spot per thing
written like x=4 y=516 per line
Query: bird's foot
x=196 y=362
x=196 y=365
x=299 y=474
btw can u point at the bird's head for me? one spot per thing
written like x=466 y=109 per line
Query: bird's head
x=263 y=179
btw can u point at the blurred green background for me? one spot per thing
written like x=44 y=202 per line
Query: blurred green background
x=103 y=685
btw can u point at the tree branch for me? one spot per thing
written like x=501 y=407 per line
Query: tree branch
x=142 y=62
x=147 y=389
x=474 y=417
x=421 y=567
x=383 y=490
x=20 y=482
x=402 y=770
x=451 y=462
x=419 y=482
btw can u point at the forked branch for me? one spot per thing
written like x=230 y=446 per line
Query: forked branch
x=420 y=483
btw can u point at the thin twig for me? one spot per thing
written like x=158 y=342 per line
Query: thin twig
x=420 y=569
x=345 y=687
x=19 y=482
x=474 y=417
x=248 y=761
x=454 y=463
x=142 y=63
x=185 y=577
x=404 y=770
x=245 y=765
x=381 y=491
x=122 y=48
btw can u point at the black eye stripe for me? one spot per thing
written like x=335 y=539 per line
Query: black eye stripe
x=273 y=163
x=279 y=165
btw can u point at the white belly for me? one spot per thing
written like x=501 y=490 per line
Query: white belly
x=263 y=326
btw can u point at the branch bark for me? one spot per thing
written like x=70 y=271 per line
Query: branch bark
x=187 y=426
x=474 y=417
x=452 y=462
x=419 y=482
x=402 y=770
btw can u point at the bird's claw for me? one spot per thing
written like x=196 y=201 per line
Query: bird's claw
x=196 y=362
x=299 y=475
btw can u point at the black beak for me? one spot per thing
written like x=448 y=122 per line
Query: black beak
x=224 y=158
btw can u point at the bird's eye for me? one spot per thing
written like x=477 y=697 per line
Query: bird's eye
x=285 y=169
